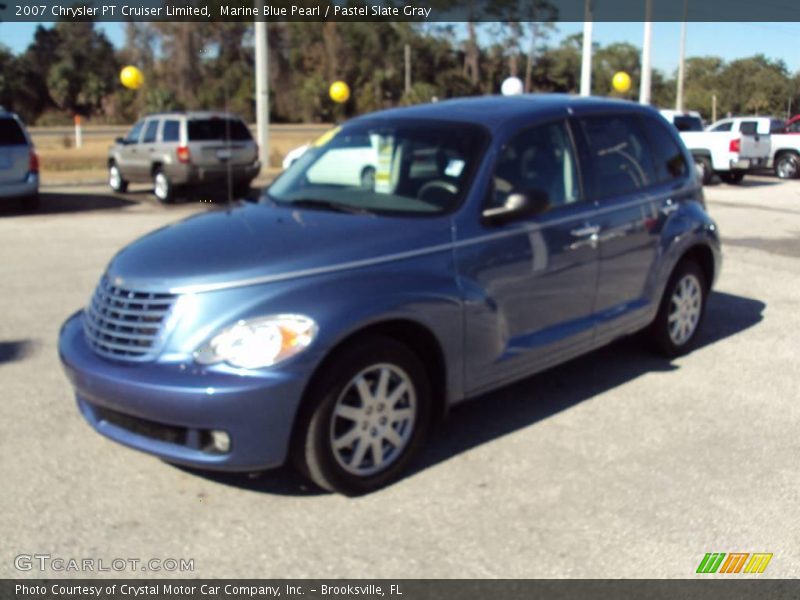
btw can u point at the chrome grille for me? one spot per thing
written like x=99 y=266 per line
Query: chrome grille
x=125 y=324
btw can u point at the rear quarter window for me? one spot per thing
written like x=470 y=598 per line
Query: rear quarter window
x=11 y=133
x=216 y=130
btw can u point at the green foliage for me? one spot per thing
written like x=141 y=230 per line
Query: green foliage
x=72 y=68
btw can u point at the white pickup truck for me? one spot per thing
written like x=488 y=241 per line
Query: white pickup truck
x=730 y=147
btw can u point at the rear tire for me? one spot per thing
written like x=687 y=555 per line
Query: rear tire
x=367 y=415
x=115 y=180
x=163 y=189
x=704 y=169
x=732 y=177
x=680 y=314
x=787 y=165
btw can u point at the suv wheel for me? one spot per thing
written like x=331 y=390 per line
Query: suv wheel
x=115 y=180
x=787 y=165
x=681 y=311
x=162 y=188
x=369 y=414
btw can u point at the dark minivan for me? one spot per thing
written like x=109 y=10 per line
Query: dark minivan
x=335 y=320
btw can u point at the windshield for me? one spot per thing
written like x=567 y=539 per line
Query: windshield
x=400 y=167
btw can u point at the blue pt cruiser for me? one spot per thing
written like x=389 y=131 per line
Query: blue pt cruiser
x=409 y=260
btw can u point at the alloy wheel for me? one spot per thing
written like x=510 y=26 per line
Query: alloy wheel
x=686 y=306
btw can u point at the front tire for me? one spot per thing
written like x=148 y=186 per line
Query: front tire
x=368 y=414
x=163 y=189
x=680 y=314
x=115 y=180
x=787 y=166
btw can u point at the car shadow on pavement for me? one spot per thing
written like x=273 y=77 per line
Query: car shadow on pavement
x=534 y=399
x=60 y=202
x=15 y=350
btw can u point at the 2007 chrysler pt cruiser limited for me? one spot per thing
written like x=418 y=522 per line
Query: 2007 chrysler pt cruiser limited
x=410 y=259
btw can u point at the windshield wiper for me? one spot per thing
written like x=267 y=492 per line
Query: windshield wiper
x=316 y=204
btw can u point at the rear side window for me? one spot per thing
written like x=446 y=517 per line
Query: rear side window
x=723 y=127
x=667 y=154
x=11 y=133
x=619 y=159
x=172 y=131
x=685 y=123
x=777 y=126
x=217 y=130
x=150 y=132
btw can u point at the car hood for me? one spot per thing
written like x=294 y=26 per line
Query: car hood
x=257 y=243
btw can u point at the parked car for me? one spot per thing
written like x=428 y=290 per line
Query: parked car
x=333 y=323
x=178 y=150
x=690 y=120
x=730 y=148
x=784 y=155
x=792 y=125
x=19 y=163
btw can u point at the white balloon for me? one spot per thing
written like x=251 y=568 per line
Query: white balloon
x=512 y=87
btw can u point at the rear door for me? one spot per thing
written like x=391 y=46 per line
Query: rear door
x=14 y=151
x=620 y=176
x=148 y=148
x=129 y=152
x=216 y=142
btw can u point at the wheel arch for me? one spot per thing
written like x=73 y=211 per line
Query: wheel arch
x=704 y=257
x=413 y=334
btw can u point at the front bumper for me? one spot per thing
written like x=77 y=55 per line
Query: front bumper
x=168 y=409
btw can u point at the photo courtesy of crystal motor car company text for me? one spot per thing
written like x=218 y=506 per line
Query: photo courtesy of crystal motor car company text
x=387 y=274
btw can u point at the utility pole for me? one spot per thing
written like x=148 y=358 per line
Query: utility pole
x=262 y=87
x=586 y=62
x=682 y=59
x=644 y=86
x=713 y=108
x=407 y=53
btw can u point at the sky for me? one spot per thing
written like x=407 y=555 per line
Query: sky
x=727 y=40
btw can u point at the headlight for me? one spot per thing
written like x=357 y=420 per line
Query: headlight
x=258 y=343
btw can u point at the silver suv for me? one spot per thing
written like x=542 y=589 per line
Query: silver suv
x=19 y=164
x=182 y=149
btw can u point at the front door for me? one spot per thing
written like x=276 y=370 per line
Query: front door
x=529 y=284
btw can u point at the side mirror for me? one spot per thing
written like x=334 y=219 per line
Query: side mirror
x=120 y=140
x=518 y=205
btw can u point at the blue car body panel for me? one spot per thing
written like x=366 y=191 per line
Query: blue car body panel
x=502 y=301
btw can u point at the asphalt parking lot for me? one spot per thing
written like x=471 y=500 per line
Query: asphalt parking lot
x=618 y=464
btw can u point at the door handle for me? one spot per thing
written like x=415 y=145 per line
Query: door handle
x=669 y=207
x=586 y=231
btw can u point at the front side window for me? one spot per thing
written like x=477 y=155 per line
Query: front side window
x=688 y=123
x=777 y=126
x=133 y=134
x=150 y=132
x=404 y=167
x=538 y=160
x=727 y=126
x=171 y=131
x=619 y=159
x=668 y=156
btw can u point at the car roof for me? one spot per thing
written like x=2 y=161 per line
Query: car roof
x=493 y=111
x=195 y=114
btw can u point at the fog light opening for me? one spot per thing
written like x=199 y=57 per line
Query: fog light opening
x=217 y=442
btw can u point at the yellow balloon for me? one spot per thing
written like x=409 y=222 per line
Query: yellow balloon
x=339 y=91
x=131 y=77
x=621 y=81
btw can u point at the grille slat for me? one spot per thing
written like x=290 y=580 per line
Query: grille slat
x=126 y=324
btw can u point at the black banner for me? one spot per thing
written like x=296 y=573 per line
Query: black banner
x=715 y=587
x=395 y=10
